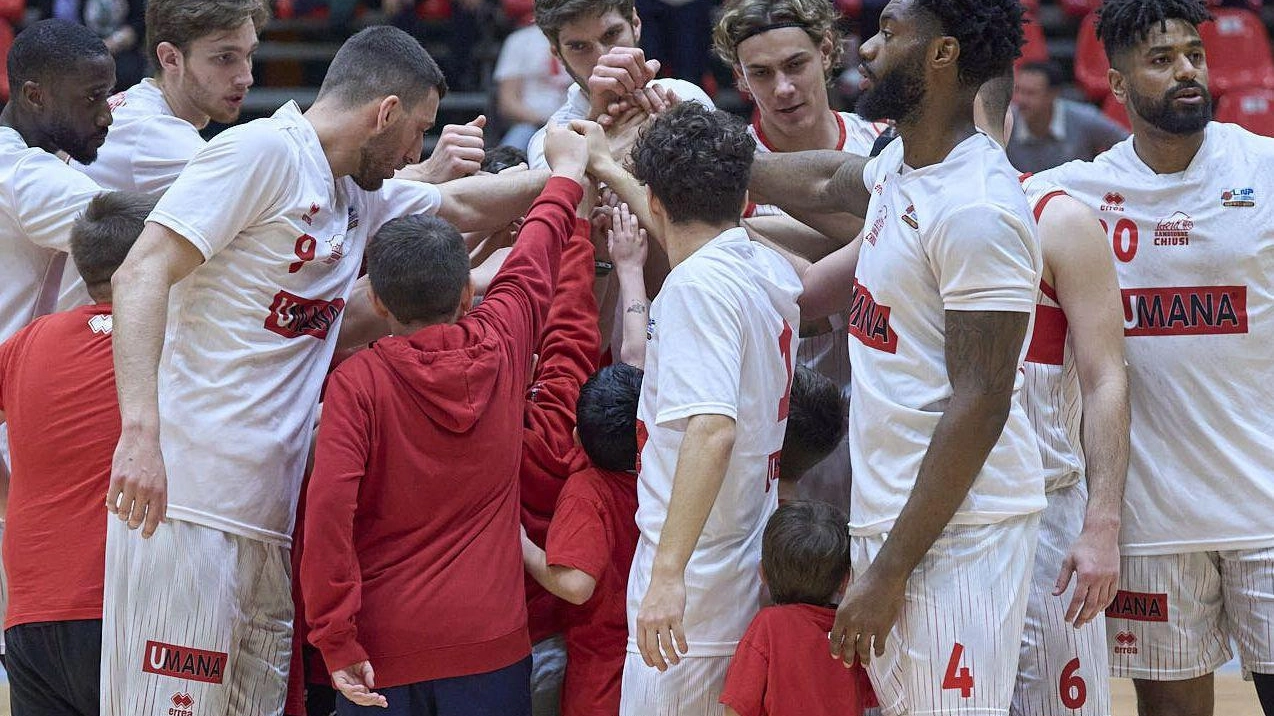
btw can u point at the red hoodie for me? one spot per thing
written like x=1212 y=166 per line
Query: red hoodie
x=412 y=558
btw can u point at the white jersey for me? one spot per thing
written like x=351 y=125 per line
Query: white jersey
x=251 y=331
x=576 y=107
x=952 y=236
x=1195 y=258
x=1051 y=394
x=148 y=145
x=40 y=197
x=722 y=340
x=146 y=149
x=857 y=136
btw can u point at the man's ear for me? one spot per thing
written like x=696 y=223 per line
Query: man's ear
x=466 y=299
x=1118 y=85
x=169 y=57
x=637 y=28
x=825 y=47
x=944 y=53
x=387 y=112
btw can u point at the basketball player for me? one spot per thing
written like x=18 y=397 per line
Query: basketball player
x=239 y=286
x=947 y=476
x=711 y=415
x=1184 y=207
x=1076 y=396
x=782 y=53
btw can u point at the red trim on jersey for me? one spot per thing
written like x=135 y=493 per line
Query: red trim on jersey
x=1049 y=291
x=1044 y=200
x=760 y=134
x=1048 y=340
x=749 y=211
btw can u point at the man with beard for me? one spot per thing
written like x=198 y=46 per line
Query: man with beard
x=238 y=283
x=1183 y=203
x=948 y=482
x=61 y=75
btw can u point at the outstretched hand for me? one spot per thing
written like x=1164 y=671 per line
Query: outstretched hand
x=355 y=682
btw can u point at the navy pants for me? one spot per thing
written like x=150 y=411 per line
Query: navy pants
x=54 y=667
x=503 y=692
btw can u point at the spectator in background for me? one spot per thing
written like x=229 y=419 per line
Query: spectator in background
x=461 y=29
x=530 y=84
x=120 y=23
x=1049 y=130
x=680 y=31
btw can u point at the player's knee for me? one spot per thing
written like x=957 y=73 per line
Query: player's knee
x=1191 y=697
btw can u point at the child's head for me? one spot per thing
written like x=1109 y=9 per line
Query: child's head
x=805 y=553
x=815 y=423
x=606 y=416
x=419 y=270
x=103 y=234
x=497 y=159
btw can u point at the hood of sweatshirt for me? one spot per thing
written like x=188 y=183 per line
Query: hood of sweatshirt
x=448 y=371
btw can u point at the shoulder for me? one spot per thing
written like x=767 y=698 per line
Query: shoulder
x=1238 y=139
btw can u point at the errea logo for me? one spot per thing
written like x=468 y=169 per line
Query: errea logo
x=1125 y=643
x=1113 y=201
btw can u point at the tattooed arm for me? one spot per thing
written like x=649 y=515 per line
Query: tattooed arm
x=982 y=356
x=811 y=183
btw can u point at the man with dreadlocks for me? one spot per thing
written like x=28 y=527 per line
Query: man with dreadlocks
x=1186 y=204
x=948 y=483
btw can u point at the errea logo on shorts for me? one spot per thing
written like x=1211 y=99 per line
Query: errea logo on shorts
x=182 y=705
x=184 y=662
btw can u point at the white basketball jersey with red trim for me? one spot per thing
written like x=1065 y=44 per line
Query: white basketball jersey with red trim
x=1195 y=258
x=1051 y=394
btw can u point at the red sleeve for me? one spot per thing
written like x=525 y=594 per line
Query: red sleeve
x=745 y=679
x=569 y=348
x=519 y=296
x=331 y=585
x=577 y=536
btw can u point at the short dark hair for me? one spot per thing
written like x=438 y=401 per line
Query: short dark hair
x=497 y=159
x=103 y=234
x=815 y=422
x=377 y=62
x=697 y=162
x=181 y=22
x=606 y=416
x=744 y=18
x=989 y=32
x=551 y=15
x=805 y=552
x=51 y=47
x=1122 y=24
x=419 y=267
x=1052 y=73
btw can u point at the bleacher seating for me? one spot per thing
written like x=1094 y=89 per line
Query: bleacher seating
x=1249 y=108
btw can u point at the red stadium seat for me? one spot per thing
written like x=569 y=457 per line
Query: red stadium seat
x=1079 y=8
x=1113 y=109
x=850 y=8
x=1252 y=109
x=1036 y=47
x=1091 y=64
x=1238 y=51
x=6 y=40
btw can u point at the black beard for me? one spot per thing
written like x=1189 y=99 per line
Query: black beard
x=1164 y=115
x=895 y=95
x=81 y=149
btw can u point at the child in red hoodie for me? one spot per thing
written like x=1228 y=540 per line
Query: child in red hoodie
x=410 y=573
x=781 y=665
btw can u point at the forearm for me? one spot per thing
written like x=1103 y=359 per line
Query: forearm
x=701 y=465
x=1105 y=440
x=794 y=236
x=488 y=203
x=825 y=181
x=573 y=585
x=964 y=437
x=627 y=188
x=636 y=307
x=140 y=310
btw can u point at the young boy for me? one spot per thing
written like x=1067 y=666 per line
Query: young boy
x=411 y=560
x=781 y=665
x=816 y=424
x=57 y=395
x=591 y=541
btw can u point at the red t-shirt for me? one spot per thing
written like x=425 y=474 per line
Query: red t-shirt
x=782 y=667
x=57 y=392
x=594 y=530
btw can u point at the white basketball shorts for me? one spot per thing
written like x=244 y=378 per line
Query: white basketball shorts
x=691 y=688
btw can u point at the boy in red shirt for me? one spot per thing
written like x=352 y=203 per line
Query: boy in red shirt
x=57 y=394
x=591 y=541
x=781 y=664
x=410 y=571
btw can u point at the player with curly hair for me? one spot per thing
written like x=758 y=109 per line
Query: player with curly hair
x=1181 y=200
x=941 y=296
x=718 y=365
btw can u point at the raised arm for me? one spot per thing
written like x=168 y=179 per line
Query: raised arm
x=981 y=359
x=488 y=203
x=161 y=257
x=820 y=182
x=1079 y=260
x=627 y=242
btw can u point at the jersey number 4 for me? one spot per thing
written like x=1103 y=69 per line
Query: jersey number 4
x=958 y=677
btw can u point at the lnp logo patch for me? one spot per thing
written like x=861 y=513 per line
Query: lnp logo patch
x=909 y=217
x=1239 y=197
x=184 y=662
x=1139 y=607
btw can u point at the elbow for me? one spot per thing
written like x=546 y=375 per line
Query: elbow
x=578 y=594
